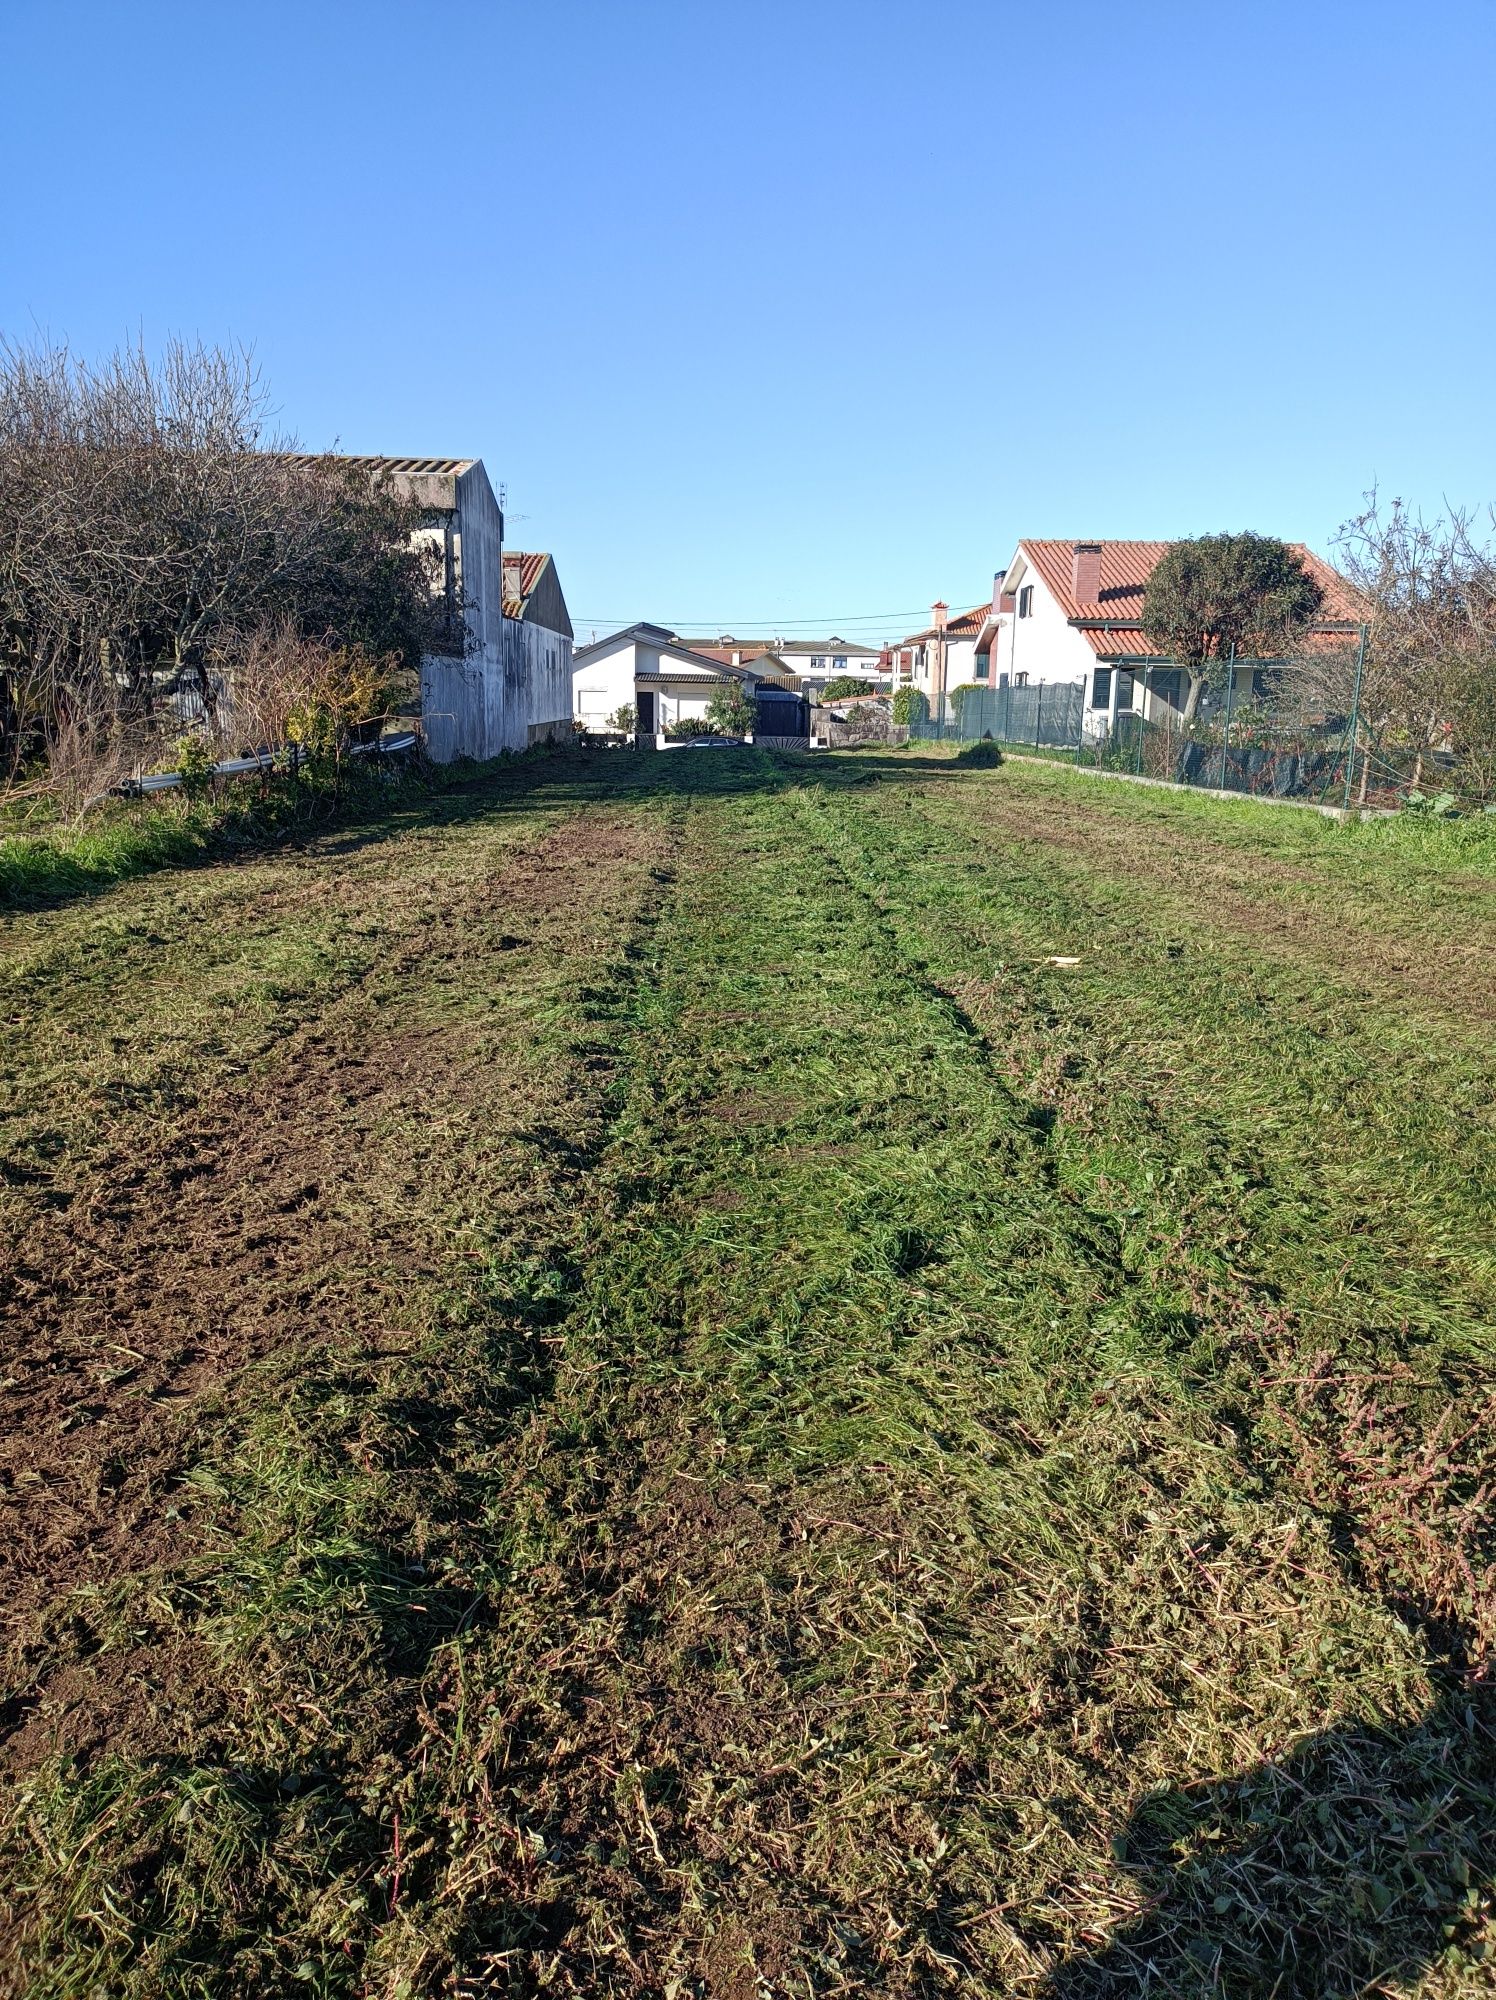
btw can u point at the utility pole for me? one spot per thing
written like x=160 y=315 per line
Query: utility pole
x=1350 y=762
x=938 y=611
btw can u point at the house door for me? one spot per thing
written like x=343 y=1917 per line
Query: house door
x=646 y=711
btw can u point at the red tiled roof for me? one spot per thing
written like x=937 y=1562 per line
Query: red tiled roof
x=749 y=649
x=1125 y=570
x=965 y=626
x=522 y=572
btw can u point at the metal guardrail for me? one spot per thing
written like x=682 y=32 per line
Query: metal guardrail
x=263 y=760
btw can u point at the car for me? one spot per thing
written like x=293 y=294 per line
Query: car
x=712 y=743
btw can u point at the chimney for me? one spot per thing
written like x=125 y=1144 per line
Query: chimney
x=937 y=614
x=1085 y=575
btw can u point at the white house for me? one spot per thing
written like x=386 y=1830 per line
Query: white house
x=943 y=656
x=1072 y=612
x=538 y=643
x=649 y=670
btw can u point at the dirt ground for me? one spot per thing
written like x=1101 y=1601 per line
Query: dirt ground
x=618 y=1387
x=196 y=1258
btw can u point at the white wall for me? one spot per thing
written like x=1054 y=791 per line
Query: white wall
x=604 y=682
x=1043 y=646
x=602 y=685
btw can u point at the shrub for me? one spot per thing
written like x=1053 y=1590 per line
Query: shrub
x=845 y=688
x=909 y=706
x=624 y=719
x=730 y=710
x=195 y=762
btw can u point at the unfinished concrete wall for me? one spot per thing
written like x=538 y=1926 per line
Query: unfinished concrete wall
x=537 y=677
x=476 y=706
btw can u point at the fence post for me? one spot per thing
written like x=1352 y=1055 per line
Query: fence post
x=1038 y=711
x=1142 y=724
x=1350 y=762
x=1230 y=699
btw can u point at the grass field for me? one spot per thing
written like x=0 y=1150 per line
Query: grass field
x=617 y=1387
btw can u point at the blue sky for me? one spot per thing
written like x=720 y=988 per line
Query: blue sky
x=796 y=315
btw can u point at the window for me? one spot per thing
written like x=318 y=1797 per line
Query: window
x=1101 y=690
x=1026 y=601
x=839 y=661
x=983 y=666
x=817 y=662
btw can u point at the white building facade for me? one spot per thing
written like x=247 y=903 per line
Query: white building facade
x=538 y=643
x=943 y=656
x=649 y=670
x=1072 y=612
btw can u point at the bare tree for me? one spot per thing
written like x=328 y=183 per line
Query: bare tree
x=150 y=521
x=1428 y=678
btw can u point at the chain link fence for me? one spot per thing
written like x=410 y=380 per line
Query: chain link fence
x=1050 y=716
x=1267 y=730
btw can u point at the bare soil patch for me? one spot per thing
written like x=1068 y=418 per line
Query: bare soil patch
x=203 y=1259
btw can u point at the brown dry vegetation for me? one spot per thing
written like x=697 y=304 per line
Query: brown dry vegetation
x=620 y=1391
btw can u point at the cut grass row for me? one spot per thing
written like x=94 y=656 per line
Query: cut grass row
x=838 y=1535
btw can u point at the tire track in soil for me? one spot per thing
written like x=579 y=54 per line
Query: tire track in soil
x=284 y=1219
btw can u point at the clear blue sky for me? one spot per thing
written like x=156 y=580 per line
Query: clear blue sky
x=771 y=314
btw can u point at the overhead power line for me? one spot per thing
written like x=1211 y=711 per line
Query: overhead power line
x=745 y=627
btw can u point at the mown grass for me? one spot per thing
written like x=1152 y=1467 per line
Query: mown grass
x=915 y=1469
x=48 y=862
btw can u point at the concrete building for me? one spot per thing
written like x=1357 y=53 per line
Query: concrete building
x=538 y=643
x=499 y=675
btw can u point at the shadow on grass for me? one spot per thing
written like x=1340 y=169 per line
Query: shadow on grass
x=41 y=873
x=1362 y=1857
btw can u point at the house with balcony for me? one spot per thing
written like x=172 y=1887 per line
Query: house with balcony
x=1072 y=612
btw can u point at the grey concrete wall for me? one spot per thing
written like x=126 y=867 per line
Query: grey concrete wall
x=513 y=688
x=468 y=707
x=537 y=668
